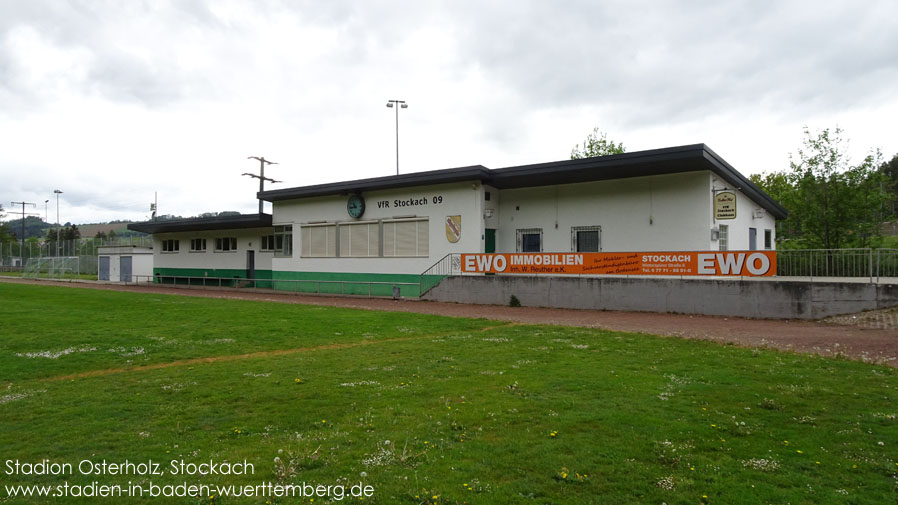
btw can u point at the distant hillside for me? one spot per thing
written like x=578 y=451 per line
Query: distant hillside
x=91 y=230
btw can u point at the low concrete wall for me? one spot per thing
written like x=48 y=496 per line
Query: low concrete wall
x=774 y=299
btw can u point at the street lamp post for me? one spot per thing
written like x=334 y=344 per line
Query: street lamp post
x=397 y=104
x=58 y=192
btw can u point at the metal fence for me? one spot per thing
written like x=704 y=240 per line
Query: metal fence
x=871 y=263
x=13 y=256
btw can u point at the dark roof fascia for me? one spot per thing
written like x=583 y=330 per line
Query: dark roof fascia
x=617 y=166
x=669 y=160
x=741 y=183
x=240 y=222
x=445 y=176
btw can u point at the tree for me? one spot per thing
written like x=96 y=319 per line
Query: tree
x=597 y=144
x=889 y=171
x=5 y=234
x=832 y=204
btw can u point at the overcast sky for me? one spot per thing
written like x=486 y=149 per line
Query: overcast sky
x=111 y=101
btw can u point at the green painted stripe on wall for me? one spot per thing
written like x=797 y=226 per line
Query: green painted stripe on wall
x=180 y=275
x=349 y=283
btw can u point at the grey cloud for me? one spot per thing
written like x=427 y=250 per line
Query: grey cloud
x=666 y=62
x=98 y=28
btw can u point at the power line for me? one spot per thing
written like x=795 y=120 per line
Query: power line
x=23 y=213
x=261 y=176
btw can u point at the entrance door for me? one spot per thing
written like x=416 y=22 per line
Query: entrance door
x=125 y=269
x=753 y=239
x=489 y=239
x=104 y=268
x=250 y=264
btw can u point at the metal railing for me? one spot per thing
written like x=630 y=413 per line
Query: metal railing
x=870 y=263
x=450 y=264
x=298 y=286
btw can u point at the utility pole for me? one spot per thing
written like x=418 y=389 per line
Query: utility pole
x=261 y=176
x=23 y=213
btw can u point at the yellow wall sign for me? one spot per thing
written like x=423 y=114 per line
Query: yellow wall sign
x=725 y=205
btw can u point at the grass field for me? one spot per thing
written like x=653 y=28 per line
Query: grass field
x=427 y=409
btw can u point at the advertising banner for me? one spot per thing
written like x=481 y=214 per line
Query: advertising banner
x=733 y=263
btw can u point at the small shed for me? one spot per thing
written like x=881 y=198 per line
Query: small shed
x=125 y=263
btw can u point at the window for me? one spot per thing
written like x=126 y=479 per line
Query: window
x=359 y=239
x=723 y=236
x=407 y=237
x=317 y=241
x=530 y=240
x=197 y=245
x=283 y=241
x=586 y=238
x=267 y=243
x=171 y=245
x=226 y=244
x=768 y=239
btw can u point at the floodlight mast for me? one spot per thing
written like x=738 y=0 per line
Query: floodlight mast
x=397 y=104
x=261 y=176
x=58 y=192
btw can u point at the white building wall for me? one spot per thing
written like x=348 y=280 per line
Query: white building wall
x=462 y=199
x=247 y=239
x=654 y=213
x=748 y=215
x=141 y=260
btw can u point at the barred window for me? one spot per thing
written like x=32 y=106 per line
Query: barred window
x=359 y=239
x=318 y=241
x=723 y=237
x=283 y=241
x=225 y=244
x=171 y=245
x=197 y=245
x=586 y=238
x=406 y=237
x=530 y=240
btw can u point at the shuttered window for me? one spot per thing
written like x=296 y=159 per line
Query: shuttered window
x=407 y=237
x=359 y=239
x=319 y=241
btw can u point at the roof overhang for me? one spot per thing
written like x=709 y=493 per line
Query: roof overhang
x=446 y=176
x=671 y=160
x=240 y=222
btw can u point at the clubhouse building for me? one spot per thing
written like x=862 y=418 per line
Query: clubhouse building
x=392 y=229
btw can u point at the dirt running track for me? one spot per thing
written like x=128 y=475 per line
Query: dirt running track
x=870 y=337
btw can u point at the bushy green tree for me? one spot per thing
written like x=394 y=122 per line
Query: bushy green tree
x=5 y=234
x=832 y=204
x=597 y=144
x=889 y=171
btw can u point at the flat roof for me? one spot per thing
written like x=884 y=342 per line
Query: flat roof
x=204 y=224
x=670 y=160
